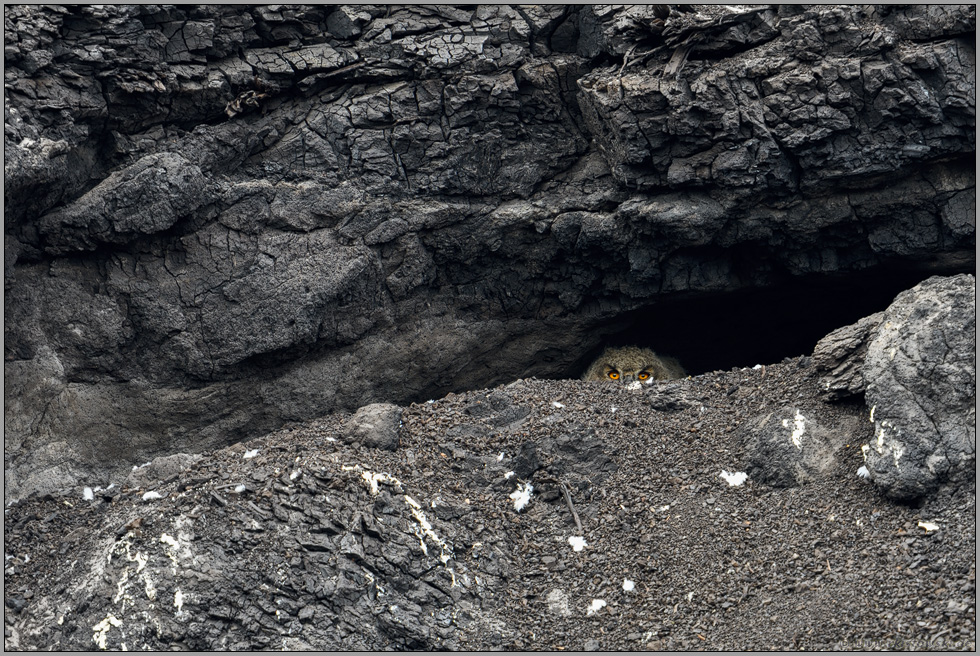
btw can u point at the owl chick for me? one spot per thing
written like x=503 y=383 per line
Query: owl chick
x=629 y=364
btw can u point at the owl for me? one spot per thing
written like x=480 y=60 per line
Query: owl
x=631 y=364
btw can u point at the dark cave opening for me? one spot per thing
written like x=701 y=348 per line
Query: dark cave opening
x=761 y=326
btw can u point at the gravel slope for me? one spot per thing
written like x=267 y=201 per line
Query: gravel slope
x=830 y=564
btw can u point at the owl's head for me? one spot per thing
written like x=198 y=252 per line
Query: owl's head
x=626 y=374
x=633 y=366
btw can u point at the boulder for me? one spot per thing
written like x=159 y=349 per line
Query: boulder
x=785 y=448
x=375 y=426
x=161 y=470
x=920 y=371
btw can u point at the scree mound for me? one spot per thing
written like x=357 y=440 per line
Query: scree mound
x=542 y=514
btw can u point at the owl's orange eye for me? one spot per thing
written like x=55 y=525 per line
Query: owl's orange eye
x=614 y=375
x=643 y=375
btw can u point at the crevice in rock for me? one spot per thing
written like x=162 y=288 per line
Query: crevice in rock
x=759 y=326
x=708 y=56
x=967 y=37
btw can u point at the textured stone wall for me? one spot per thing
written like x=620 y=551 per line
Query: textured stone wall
x=219 y=219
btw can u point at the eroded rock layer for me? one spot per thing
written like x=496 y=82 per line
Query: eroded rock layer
x=219 y=219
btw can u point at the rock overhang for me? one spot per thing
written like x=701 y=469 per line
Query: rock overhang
x=393 y=224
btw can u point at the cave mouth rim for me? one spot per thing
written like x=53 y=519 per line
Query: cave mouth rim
x=858 y=294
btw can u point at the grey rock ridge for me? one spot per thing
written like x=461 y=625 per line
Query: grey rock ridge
x=220 y=219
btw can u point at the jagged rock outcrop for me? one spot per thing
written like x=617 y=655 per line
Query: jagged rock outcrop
x=221 y=218
x=840 y=355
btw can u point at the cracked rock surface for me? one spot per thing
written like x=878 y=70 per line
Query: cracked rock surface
x=840 y=355
x=219 y=219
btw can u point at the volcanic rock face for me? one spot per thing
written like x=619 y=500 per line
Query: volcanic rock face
x=219 y=219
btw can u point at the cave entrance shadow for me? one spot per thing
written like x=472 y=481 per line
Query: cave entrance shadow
x=759 y=326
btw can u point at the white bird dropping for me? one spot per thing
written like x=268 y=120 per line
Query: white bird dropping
x=596 y=606
x=521 y=496
x=734 y=479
